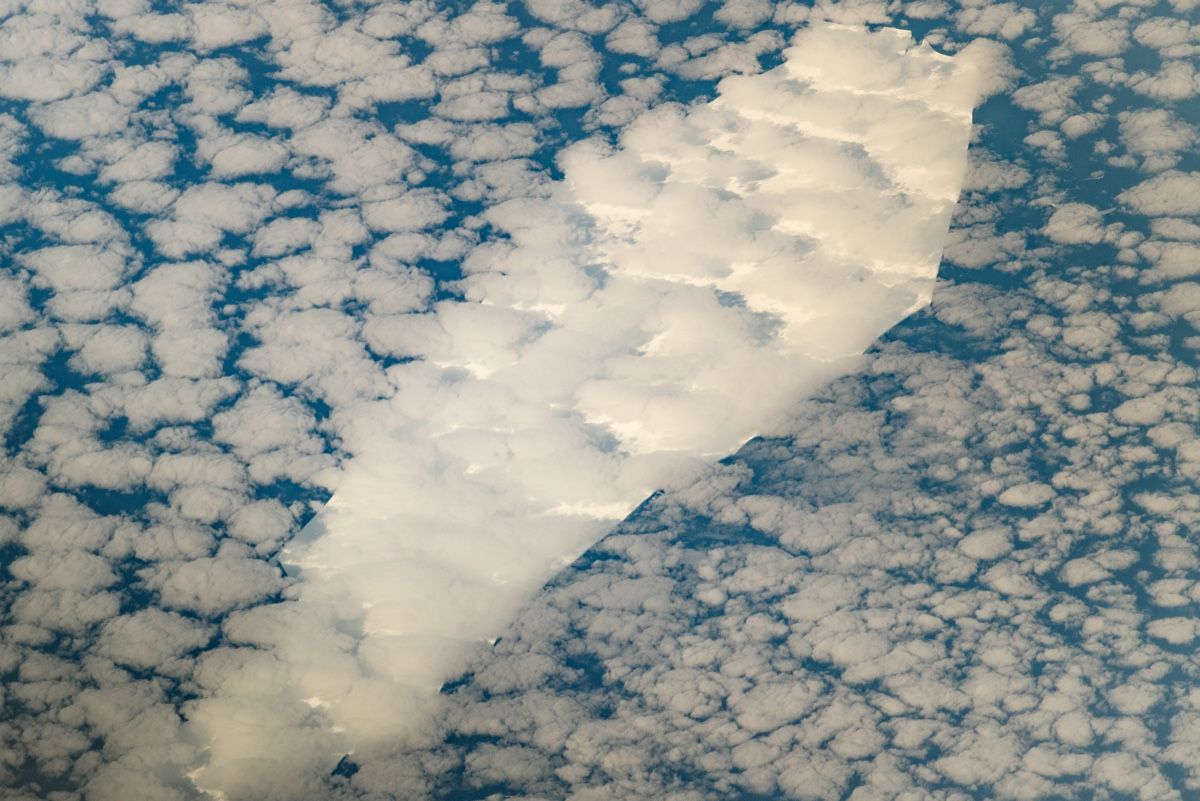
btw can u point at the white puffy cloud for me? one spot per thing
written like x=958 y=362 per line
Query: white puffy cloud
x=105 y=348
x=411 y=211
x=177 y=300
x=210 y=586
x=1172 y=193
x=284 y=107
x=145 y=197
x=1171 y=260
x=263 y=524
x=274 y=436
x=64 y=610
x=48 y=78
x=84 y=279
x=1176 y=80
x=95 y=114
x=217 y=25
x=1086 y=34
x=68 y=268
x=145 y=162
x=358 y=155
x=237 y=156
x=74 y=569
x=14 y=304
x=1156 y=135
x=1076 y=224
x=1007 y=20
x=202 y=214
x=285 y=234
x=634 y=36
x=1053 y=98
x=150 y=639
x=172 y=400
x=1171 y=37
x=319 y=347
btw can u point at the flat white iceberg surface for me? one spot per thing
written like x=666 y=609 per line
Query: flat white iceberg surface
x=670 y=298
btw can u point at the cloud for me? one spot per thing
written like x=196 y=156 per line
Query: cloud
x=217 y=25
x=1007 y=20
x=70 y=268
x=592 y=358
x=949 y=547
x=1075 y=224
x=1172 y=193
x=83 y=116
x=1086 y=34
x=284 y=107
x=857 y=606
x=48 y=78
x=274 y=437
x=105 y=349
x=1156 y=135
x=210 y=586
x=176 y=299
x=1177 y=80
x=150 y=638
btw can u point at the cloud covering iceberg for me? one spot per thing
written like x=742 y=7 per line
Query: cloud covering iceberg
x=672 y=296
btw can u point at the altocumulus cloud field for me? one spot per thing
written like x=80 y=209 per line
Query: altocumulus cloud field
x=488 y=275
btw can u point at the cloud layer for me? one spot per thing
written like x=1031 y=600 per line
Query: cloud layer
x=671 y=297
x=210 y=213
